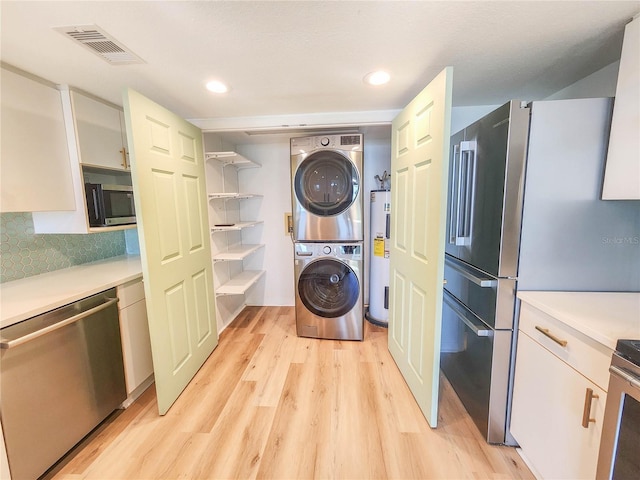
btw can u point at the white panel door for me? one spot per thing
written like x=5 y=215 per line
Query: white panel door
x=167 y=167
x=419 y=166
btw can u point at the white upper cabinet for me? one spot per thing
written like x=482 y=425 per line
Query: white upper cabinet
x=100 y=132
x=622 y=173
x=36 y=175
x=90 y=160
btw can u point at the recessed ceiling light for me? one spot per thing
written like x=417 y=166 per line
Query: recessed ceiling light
x=379 y=77
x=216 y=86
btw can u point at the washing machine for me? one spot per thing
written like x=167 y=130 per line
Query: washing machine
x=326 y=184
x=329 y=290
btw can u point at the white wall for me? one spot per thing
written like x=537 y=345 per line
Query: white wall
x=462 y=117
x=377 y=159
x=273 y=181
x=599 y=84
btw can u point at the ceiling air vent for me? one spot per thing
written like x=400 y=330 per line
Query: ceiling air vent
x=100 y=43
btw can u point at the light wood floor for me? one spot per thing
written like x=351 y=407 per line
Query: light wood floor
x=268 y=404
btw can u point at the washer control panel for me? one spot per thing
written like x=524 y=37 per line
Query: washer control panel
x=347 y=251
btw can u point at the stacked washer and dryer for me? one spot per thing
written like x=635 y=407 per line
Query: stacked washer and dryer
x=328 y=234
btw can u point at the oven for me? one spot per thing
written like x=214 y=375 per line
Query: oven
x=619 y=456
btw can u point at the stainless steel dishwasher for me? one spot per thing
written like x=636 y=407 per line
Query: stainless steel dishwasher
x=62 y=374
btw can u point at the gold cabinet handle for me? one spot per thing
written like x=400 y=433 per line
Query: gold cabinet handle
x=546 y=333
x=586 y=413
x=124 y=157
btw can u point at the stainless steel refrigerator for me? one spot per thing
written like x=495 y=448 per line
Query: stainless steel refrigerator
x=524 y=213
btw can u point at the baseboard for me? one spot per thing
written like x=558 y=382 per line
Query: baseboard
x=137 y=392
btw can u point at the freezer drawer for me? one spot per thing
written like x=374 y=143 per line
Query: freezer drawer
x=491 y=299
x=475 y=359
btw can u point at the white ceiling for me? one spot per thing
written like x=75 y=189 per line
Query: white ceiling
x=297 y=57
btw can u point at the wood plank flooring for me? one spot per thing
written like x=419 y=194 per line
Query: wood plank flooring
x=268 y=404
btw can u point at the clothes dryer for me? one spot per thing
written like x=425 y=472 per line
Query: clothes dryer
x=326 y=176
x=329 y=290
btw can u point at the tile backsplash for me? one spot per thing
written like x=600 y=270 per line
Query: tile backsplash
x=24 y=253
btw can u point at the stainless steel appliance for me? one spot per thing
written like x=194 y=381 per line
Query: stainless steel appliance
x=326 y=176
x=329 y=290
x=109 y=205
x=378 y=312
x=62 y=374
x=524 y=214
x=619 y=456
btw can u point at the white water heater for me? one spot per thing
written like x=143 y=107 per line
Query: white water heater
x=378 y=312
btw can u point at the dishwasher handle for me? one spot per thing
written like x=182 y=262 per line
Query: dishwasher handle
x=6 y=344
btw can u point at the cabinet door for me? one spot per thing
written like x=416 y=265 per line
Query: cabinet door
x=36 y=173
x=99 y=132
x=547 y=414
x=136 y=346
x=622 y=173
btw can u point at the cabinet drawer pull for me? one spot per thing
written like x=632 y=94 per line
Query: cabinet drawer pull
x=545 y=332
x=586 y=413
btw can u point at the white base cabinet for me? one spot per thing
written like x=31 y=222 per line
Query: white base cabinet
x=136 y=345
x=559 y=396
x=547 y=416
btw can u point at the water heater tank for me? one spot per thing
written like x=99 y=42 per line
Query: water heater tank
x=378 y=312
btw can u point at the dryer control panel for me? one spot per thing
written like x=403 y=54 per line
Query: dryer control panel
x=347 y=251
x=350 y=141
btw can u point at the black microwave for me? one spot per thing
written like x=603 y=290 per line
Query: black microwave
x=109 y=205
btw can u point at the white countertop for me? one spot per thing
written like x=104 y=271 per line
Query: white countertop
x=605 y=317
x=27 y=297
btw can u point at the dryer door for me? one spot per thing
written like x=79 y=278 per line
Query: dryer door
x=328 y=288
x=326 y=183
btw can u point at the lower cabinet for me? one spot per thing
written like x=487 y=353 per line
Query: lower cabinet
x=136 y=345
x=557 y=410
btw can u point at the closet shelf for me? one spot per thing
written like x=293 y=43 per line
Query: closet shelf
x=234 y=227
x=239 y=284
x=239 y=252
x=231 y=158
x=232 y=196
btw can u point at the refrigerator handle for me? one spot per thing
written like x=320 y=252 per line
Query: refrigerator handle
x=484 y=282
x=455 y=186
x=466 y=188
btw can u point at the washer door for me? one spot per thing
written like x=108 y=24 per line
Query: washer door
x=326 y=183
x=328 y=288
